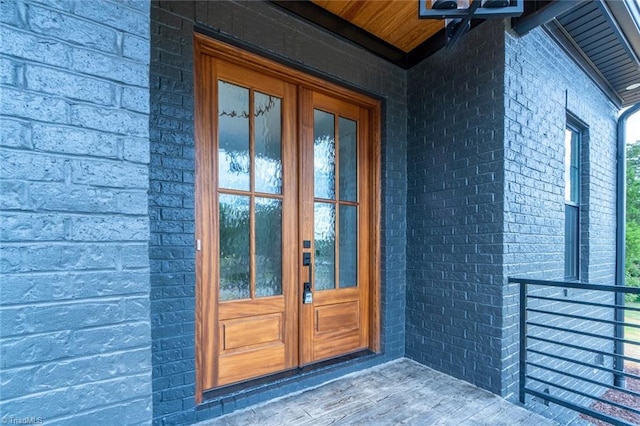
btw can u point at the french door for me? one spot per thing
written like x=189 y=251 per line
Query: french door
x=286 y=220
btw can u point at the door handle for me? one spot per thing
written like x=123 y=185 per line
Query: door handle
x=307 y=295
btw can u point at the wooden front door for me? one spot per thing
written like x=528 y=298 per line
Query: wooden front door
x=285 y=218
x=334 y=213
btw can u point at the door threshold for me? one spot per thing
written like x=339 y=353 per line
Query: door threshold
x=271 y=381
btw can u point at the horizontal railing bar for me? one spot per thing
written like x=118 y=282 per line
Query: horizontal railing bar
x=584 y=410
x=598 y=320
x=563 y=311
x=581 y=286
x=586 y=395
x=584 y=379
x=582 y=348
x=580 y=302
x=583 y=333
x=585 y=364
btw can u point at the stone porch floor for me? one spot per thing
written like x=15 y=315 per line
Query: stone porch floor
x=400 y=392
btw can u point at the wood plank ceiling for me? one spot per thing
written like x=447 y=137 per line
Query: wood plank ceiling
x=395 y=22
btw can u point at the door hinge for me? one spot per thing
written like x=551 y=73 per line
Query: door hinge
x=198 y=245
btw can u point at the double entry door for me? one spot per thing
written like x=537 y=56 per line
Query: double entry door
x=285 y=223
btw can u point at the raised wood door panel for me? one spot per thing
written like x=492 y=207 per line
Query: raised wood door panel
x=335 y=218
x=248 y=221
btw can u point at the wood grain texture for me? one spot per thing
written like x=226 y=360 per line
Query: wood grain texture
x=249 y=308
x=290 y=236
x=235 y=367
x=242 y=339
x=305 y=107
x=205 y=182
x=394 y=21
x=251 y=332
x=337 y=318
x=339 y=322
x=336 y=344
x=233 y=334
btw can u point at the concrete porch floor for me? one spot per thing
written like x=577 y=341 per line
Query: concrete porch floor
x=399 y=392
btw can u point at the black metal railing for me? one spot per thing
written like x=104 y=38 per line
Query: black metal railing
x=573 y=348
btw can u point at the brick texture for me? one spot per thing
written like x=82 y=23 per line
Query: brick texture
x=266 y=27
x=486 y=197
x=75 y=333
x=455 y=199
x=543 y=88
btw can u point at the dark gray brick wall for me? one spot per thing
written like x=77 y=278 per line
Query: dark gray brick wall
x=543 y=86
x=269 y=29
x=486 y=197
x=536 y=117
x=455 y=208
x=75 y=331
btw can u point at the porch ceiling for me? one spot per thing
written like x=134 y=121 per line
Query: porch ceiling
x=603 y=36
x=395 y=22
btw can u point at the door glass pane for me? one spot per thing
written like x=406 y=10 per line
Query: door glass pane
x=348 y=159
x=324 y=155
x=268 y=247
x=234 y=247
x=324 y=231
x=233 y=131
x=268 y=162
x=348 y=248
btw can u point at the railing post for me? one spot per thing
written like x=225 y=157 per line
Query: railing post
x=523 y=340
x=618 y=361
x=565 y=340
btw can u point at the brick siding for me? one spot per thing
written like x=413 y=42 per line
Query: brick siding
x=542 y=87
x=75 y=333
x=486 y=195
x=455 y=198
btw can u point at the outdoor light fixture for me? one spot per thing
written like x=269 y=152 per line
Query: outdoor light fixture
x=495 y=3
x=444 y=4
x=632 y=86
x=482 y=9
x=458 y=13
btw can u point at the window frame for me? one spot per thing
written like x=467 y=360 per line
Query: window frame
x=573 y=169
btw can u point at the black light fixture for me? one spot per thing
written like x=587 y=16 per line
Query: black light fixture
x=444 y=4
x=495 y=3
x=482 y=9
x=458 y=13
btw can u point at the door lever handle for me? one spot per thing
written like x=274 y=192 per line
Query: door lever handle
x=307 y=295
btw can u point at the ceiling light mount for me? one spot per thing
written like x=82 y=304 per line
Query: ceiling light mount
x=458 y=13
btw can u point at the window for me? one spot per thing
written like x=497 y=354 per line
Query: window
x=572 y=203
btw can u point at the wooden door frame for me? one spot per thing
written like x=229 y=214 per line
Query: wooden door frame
x=206 y=50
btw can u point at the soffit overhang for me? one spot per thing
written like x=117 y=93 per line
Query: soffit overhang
x=602 y=36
